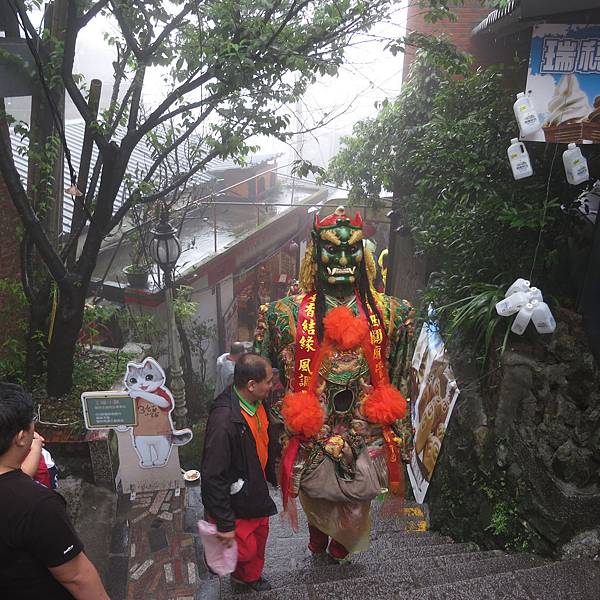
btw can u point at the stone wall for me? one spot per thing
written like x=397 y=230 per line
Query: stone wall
x=520 y=465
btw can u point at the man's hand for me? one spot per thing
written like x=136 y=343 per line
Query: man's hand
x=226 y=537
x=38 y=440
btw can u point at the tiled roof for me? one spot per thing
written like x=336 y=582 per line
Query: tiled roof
x=496 y=16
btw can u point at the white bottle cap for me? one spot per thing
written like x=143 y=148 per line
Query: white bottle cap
x=533 y=303
x=529 y=305
x=572 y=145
x=514 y=141
x=521 y=95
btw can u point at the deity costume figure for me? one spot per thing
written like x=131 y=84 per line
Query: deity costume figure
x=341 y=349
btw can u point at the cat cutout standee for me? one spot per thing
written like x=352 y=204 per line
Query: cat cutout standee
x=154 y=435
x=141 y=417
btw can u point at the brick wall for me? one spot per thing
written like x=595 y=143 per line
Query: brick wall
x=469 y=15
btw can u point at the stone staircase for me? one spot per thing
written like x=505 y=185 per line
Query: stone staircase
x=407 y=562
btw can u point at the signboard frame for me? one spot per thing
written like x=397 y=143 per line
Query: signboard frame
x=563 y=82
x=90 y=423
x=434 y=392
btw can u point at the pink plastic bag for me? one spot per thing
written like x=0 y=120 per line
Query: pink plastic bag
x=220 y=559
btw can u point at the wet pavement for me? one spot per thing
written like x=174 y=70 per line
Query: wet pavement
x=153 y=554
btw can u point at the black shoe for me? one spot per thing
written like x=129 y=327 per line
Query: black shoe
x=260 y=585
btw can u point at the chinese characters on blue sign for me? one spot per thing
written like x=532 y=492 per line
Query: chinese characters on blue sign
x=563 y=82
x=567 y=55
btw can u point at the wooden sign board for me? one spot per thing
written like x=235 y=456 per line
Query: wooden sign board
x=103 y=410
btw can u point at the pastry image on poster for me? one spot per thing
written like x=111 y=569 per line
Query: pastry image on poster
x=435 y=392
x=154 y=435
x=563 y=83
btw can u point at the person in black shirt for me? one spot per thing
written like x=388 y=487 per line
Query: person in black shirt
x=41 y=556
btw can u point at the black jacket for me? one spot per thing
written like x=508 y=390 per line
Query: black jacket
x=230 y=454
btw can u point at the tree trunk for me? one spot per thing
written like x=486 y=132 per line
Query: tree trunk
x=39 y=311
x=61 y=352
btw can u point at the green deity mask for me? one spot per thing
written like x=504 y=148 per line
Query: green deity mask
x=339 y=251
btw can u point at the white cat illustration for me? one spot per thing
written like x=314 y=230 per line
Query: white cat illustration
x=154 y=434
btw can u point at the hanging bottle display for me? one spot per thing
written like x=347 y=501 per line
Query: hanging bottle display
x=526 y=115
x=576 y=167
x=519 y=160
x=512 y=304
x=520 y=285
x=522 y=319
x=542 y=317
x=528 y=303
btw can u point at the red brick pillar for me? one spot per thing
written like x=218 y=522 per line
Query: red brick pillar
x=469 y=15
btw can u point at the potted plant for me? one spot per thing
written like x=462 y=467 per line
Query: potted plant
x=138 y=271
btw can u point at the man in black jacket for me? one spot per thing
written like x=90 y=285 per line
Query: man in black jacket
x=236 y=465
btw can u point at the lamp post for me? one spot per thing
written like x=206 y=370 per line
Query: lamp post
x=165 y=250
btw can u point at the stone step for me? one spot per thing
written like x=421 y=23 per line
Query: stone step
x=564 y=580
x=402 y=524
x=322 y=569
x=383 y=539
x=386 y=579
x=302 y=559
x=382 y=546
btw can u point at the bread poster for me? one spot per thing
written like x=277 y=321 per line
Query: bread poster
x=433 y=391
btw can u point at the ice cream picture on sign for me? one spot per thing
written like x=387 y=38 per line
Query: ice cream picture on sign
x=569 y=104
x=563 y=83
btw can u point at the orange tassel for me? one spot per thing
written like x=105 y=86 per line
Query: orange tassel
x=344 y=329
x=384 y=405
x=302 y=413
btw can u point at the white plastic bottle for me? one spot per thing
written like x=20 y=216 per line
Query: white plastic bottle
x=542 y=318
x=576 y=167
x=519 y=160
x=522 y=319
x=512 y=304
x=526 y=115
x=520 y=285
x=535 y=294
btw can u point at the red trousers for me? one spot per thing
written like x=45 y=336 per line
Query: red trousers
x=251 y=538
x=318 y=543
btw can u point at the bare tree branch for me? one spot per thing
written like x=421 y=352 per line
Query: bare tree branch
x=189 y=85
x=91 y=13
x=136 y=85
x=126 y=30
x=165 y=153
x=80 y=102
x=168 y=29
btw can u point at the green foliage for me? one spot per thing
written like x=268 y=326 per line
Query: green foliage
x=97 y=371
x=13 y=325
x=506 y=523
x=190 y=455
x=475 y=316
x=141 y=328
x=441 y=148
x=185 y=309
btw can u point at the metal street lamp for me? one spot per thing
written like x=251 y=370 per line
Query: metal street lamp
x=165 y=250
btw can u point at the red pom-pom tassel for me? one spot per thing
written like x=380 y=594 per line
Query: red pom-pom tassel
x=302 y=413
x=384 y=405
x=344 y=329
